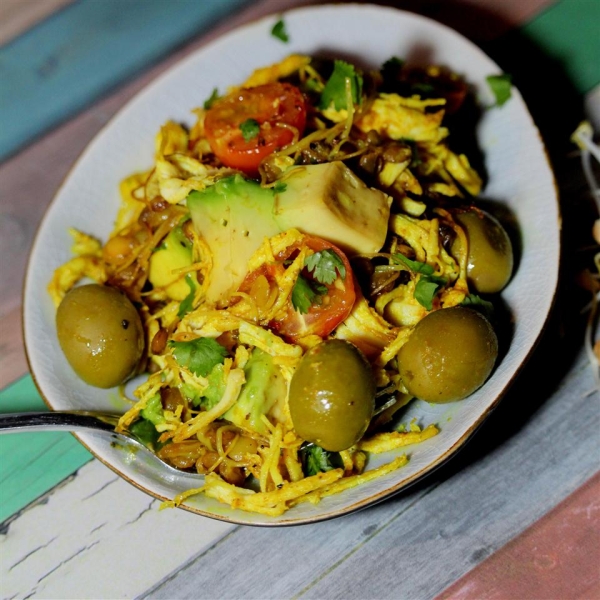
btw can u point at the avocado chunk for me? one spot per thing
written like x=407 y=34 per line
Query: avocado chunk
x=265 y=386
x=173 y=254
x=233 y=216
x=330 y=201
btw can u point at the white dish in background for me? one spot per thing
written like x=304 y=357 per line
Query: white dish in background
x=519 y=176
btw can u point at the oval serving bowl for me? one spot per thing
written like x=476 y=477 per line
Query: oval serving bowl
x=519 y=177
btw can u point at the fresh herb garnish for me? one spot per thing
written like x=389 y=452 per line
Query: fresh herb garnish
x=211 y=99
x=313 y=85
x=422 y=88
x=501 y=87
x=392 y=64
x=250 y=129
x=475 y=302
x=316 y=460
x=414 y=265
x=414 y=147
x=199 y=355
x=427 y=288
x=428 y=284
x=279 y=31
x=187 y=304
x=334 y=92
x=306 y=293
x=391 y=68
x=325 y=266
x=279 y=187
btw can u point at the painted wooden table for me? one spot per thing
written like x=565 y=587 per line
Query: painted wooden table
x=515 y=515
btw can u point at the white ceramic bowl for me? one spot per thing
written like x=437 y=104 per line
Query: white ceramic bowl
x=519 y=176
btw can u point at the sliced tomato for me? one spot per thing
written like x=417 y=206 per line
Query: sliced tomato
x=278 y=108
x=323 y=316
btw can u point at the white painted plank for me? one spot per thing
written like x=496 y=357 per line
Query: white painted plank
x=97 y=536
x=532 y=453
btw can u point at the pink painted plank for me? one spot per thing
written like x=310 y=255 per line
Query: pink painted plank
x=17 y=16
x=557 y=558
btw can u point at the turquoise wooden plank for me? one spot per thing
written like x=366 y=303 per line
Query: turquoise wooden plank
x=81 y=52
x=32 y=463
x=569 y=31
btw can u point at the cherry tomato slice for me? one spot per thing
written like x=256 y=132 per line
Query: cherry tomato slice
x=278 y=108
x=323 y=316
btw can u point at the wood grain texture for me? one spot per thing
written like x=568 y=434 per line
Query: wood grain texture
x=417 y=544
x=96 y=536
x=540 y=445
x=68 y=61
x=12 y=354
x=32 y=463
x=558 y=557
x=17 y=16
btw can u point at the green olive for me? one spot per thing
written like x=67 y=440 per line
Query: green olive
x=100 y=333
x=449 y=354
x=490 y=257
x=332 y=395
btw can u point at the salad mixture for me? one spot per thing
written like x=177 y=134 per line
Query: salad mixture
x=292 y=271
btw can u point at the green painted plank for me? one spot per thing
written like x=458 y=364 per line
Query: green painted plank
x=83 y=51
x=32 y=463
x=569 y=32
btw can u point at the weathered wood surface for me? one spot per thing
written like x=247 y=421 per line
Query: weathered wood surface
x=536 y=561
x=95 y=536
x=530 y=454
x=16 y=16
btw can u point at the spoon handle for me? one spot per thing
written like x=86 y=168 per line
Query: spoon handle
x=57 y=421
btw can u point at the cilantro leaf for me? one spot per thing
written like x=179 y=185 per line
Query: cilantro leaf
x=392 y=64
x=211 y=99
x=199 y=355
x=428 y=284
x=391 y=68
x=325 y=265
x=313 y=85
x=422 y=88
x=250 y=129
x=279 y=31
x=279 y=187
x=475 y=302
x=335 y=88
x=187 y=304
x=305 y=294
x=501 y=87
x=426 y=289
x=316 y=460
x=414 y=265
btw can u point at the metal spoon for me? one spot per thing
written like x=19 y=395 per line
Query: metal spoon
x=76 y=420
